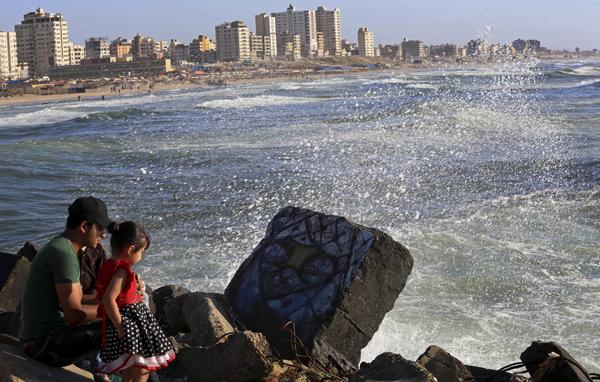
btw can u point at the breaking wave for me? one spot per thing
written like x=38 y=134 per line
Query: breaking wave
x=254 y=102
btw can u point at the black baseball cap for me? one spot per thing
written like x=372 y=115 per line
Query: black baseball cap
x=91 y=209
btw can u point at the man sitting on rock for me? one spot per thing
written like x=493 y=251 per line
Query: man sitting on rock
x=57 y=327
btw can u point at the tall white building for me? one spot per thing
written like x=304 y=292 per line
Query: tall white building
x=366 y=42
x=233 y=41
x=265 y=26
x=43 y=41
x=9 y=68
x=76 y=53
x=97 y=47
x=329 y=23
x=302 y=23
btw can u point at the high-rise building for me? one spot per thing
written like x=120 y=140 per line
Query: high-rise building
x=9 y=68
x=76 y=54
x=120 y=48
x=302 y=23
x=97 y=47
x=329 y=22
x=260 y=47
x=366 y=42
x=444 y=50
x=43 y=41
x=178 y=52
x=265 y=26
x=412 y=49
x=233 y=41
x=143 y=47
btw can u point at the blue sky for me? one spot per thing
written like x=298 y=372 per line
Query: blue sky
x=557 y=23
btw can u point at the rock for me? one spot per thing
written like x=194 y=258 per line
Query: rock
x=489 y=375
x=13 y=275
x=549 y=362
x=333 y=279
x=17 y=367
x=5 y=320
x=160 y=298
x=443 y=366
x=28 y=251
x=207 y=316
x=391 y=367
x=242 y=356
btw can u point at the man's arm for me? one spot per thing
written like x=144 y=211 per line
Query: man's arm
x=69 y=298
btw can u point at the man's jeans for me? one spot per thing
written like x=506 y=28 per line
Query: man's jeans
x=63 y=346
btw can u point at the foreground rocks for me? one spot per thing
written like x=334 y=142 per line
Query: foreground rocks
x=300 y=308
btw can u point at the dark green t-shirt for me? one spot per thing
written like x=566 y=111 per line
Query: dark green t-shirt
x=56 y=263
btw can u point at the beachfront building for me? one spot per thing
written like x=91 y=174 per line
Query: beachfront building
x=260 y=47
x=366 y=42
x=110 y=68
x=329 y=23
x=444 y=50
x=202 y=49
x=120 y=48
x=42 y=41
x=302 y=23
x=321 y=44
x=97 y=47
x=478 y=48
x=233 y=41
x=178 y=52
x=391 y=51
x=521 y=45
x=265 y=26
x=143 y=47
x=9 y=65
x=413 y=49
x=76 y=54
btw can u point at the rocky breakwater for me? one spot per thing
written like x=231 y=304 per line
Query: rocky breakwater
x=300 y=307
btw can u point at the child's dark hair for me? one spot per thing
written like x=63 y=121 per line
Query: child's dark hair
x=126 y=234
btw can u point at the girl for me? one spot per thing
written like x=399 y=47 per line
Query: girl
x=132 y=341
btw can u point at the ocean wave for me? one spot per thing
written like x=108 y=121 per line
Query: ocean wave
x=422 y=86
x=252 y=102
x=116 y=114
x=44 y=116
x=581 y=71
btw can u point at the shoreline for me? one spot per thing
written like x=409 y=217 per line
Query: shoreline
x=229 y=78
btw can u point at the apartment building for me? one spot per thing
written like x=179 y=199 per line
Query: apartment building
x=329 y=23
x=366 y=42
x=202 y=49
x=233 y=41
x=265 y=26
x=43 y=41
x=9 y=68
x=412 y=49
x=302 y=23
x=97 y=47
x=120 y=48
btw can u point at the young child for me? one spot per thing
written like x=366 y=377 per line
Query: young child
x=132 y=341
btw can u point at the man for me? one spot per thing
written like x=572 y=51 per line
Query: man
x=57 y=328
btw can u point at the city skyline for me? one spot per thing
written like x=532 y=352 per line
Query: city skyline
x=560 y=26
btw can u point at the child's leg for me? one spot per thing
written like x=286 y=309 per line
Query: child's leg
x=127 y=375
x=139 y=374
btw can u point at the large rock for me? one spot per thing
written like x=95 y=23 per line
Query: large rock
x=13 y=275
x=490 y=375
x=444 y=366
x=243 y=356
x=160 y=298
x=549 y=362
x=333 y=279
x=17 y=367
x=391 y=367
x=207 y=316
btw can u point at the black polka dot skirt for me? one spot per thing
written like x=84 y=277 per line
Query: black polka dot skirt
x=143 y=345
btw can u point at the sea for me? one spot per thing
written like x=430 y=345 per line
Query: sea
x=489 y=175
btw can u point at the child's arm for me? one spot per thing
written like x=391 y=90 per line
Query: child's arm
x=110 y=299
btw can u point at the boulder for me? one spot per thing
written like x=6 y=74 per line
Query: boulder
x=490 y=375
x=391 y=367
x=13 y=275
x=334 y=280
x=207 y=316
x=549 y=362
x=443 y=366
x=160 y=298
x=242 y=356
x=17 y=367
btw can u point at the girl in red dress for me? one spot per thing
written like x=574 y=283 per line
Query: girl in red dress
x=132 y=341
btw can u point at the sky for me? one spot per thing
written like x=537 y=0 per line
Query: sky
x=558 y=24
